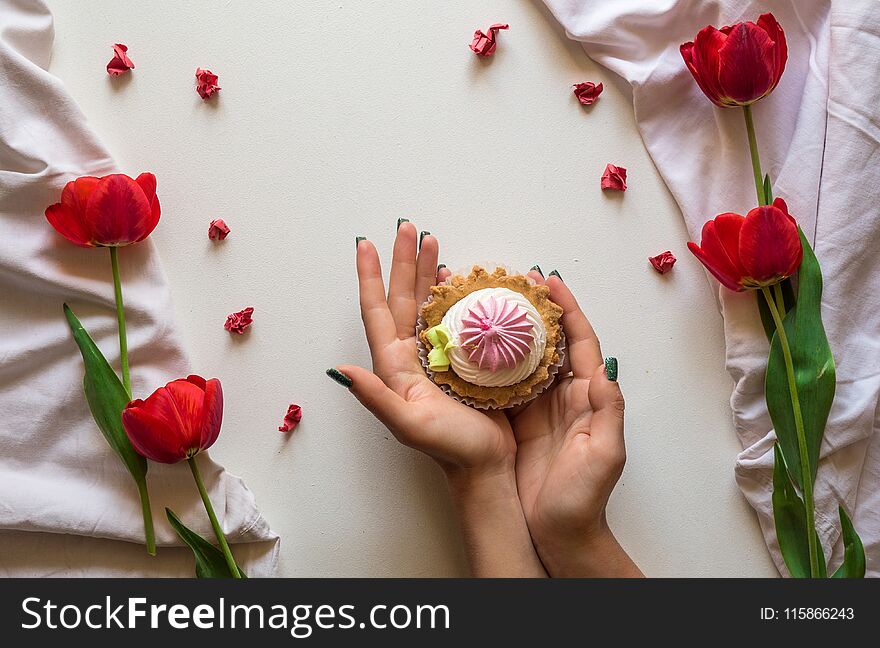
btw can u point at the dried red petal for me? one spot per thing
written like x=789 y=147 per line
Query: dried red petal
x=587 y=92
x=218 y=230
x=120 y=63
x=484 y=44
x=614 y=177
x=238 y=322
x=291 y=419
x=663 y=262
x=206 y=83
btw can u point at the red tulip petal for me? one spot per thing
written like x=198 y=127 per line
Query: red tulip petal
x=206 y=83
x=239 y=322
x=663 y=262
x=68 y=223
x=212 y=412
x=705 y=63
x=76 y=193
x=120 y=63
x=769 y=244
x=151 y=436
x=720 y=241
x=720 y=274
x=291 y=419
x=587 y=92
x=774 y=30
x=218 y=230
x=485 y=44
x=118 y=212
x=147 y=182
x=727 y=229
x=614 y=177
x=747 y=63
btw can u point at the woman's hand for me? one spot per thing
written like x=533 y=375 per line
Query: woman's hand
x=476 y=450
x=571 y=453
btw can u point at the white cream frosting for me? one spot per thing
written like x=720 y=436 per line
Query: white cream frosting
x=469 y=371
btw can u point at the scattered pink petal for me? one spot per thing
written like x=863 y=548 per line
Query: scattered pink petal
x=120 y=63
x=218 y=230
x=206 y=83
x=614 y=178
x=291 y=419
x=238 y=322
x=587 y=92
x=484 y=44
x=663 y=262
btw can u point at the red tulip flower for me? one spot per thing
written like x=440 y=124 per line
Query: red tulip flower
x=752 y=251
x=106 y=212
x=738 y=64
x=177 y=421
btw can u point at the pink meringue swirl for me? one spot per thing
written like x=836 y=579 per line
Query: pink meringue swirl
x=497 y=332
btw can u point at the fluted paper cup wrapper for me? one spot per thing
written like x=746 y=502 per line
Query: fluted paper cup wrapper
x=552 y=369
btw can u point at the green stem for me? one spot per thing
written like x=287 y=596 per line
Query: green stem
x=780 y=299
x=224 y=546
x=756 y=160
x=120 y=318
x=149 y=534
x=806 y=473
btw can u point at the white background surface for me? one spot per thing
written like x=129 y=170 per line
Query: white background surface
x=335 y=119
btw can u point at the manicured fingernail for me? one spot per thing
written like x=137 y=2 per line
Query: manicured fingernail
x=440 y=267
x=357 y=241
x=339 y=377
x=537 y=268
x=555 y=273
x=611 y=368
x=400 y=221
x=422 y=237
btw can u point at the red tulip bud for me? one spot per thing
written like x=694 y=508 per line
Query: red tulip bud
x=177 y=421
x=111 y=211
x=738 y=64
x=754 y=251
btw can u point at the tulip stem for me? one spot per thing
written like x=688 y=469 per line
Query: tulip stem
x=224 y=546
x=806 y=473
x=120 y=318
x=149 y=533
x=756 y=160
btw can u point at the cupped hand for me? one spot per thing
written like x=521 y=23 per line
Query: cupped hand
x=571 y=451
x=397 y=391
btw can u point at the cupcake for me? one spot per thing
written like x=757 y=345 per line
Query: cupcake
x=491 y=340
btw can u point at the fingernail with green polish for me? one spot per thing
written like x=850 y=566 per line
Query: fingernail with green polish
x=611 y=368
x=440 y=267
x=339 y=377
x=422 y=238
x=537 y=268
x=357 y=241
x=401 y=221
x=556 y=274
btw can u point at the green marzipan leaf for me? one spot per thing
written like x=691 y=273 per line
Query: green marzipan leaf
x=813 y=368
x=210 y=562
x=106 y=397
x=854 y=552
x=790 y=518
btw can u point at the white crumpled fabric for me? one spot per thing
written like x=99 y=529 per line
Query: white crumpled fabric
x=818 y=135
x=67 y=504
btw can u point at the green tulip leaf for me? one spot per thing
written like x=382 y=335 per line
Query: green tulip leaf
x=854 y=552
x=790 y=518
x=813 y=368
x=106 y=397
x=210 y=562
x=789 y=301
x=768 y=191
